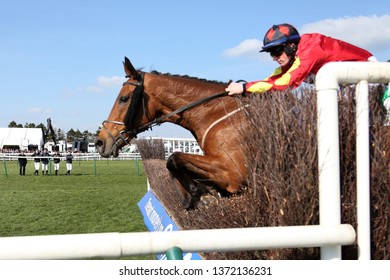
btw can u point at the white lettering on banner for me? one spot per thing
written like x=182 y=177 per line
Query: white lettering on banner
x=169 y=228
x=153 y=216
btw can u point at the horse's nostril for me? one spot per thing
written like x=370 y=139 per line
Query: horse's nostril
x=98 y=143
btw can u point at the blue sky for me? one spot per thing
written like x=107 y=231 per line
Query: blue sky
x=63 y=59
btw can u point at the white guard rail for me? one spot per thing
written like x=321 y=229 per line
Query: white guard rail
x=114 y=245
x=327 y=84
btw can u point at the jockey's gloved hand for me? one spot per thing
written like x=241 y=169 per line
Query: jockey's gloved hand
x=236 y=88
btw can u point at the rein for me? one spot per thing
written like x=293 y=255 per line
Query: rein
x=159 y=120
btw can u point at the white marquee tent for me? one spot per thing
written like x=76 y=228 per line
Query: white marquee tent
x=21 y=138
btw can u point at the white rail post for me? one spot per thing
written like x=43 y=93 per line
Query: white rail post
x=328 y=163
x=363 y=171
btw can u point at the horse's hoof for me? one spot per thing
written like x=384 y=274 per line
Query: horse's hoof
x=190 y=202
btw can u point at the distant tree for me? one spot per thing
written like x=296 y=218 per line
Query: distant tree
x=60 y=134
x=88 y=136
x=14 y=124
x=41 y=125
x=29 y=125
x=98 y=131
x=78 y=134
x=70 y=135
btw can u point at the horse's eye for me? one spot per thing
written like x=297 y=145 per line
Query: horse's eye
x=124 y=99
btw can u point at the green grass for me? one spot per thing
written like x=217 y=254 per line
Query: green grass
x=80 y=203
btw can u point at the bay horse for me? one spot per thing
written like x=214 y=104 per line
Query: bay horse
x=148 y=99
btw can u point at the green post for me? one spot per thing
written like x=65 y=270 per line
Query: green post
x=174 y=253
x=5 y=168
x=137 y=165
x=94 y=166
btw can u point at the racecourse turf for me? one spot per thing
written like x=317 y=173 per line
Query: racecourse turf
x=98 y=196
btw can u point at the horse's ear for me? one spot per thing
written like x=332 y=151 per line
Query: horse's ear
x=130 y=70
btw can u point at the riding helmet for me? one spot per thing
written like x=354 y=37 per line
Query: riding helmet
x=278 y=35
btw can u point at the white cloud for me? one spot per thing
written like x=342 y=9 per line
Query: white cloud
x=113 y=81
x=103 y=83
x=39 y=110
x=369 y=32
x=249 y=47
x=90 y=89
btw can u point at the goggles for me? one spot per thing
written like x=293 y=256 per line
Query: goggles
x=276 y=51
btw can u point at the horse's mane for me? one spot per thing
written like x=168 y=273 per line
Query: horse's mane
x=154 y=72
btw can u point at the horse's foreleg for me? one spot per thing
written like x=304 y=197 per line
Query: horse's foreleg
x=196 y=174
x=189 y=198
x=186 y=185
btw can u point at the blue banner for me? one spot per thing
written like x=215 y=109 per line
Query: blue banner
x=157 y=219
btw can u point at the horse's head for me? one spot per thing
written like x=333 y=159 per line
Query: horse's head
x=124 y=120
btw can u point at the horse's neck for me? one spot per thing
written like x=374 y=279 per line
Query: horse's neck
x=176 y=92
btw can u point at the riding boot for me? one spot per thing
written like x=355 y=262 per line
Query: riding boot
x=47 y=173
x=36 y=173
x=56 y=172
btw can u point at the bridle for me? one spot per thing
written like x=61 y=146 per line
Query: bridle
x=126 y=133
x=138 y=93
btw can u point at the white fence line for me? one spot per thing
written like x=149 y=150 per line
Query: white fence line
x=76 y=157
x=115 y=245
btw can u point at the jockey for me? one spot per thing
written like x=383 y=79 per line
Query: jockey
x=299 y=57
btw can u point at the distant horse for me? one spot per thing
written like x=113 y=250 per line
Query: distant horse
x=200 y=106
